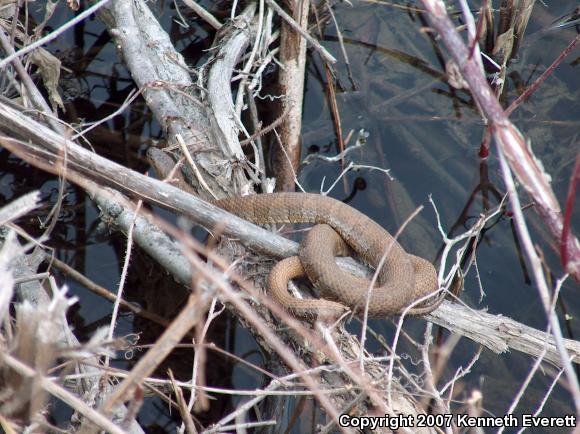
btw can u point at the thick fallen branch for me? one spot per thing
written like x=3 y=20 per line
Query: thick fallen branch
x=162 y=74
x=47 y=151
x=494 y=332
x=230 y=50
x=84 y=164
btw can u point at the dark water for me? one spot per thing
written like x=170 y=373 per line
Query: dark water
x=427 y=134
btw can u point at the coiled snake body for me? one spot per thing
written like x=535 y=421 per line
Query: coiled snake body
x=403 y=279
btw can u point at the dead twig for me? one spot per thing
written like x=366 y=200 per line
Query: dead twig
x=525 y=165
x=53 y=35
x=312 y=41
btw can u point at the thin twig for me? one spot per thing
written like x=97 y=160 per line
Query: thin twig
x=323 y=52
x=54 y=34
x=374 y=280
x=189 y=315
x=341 y=44
x=534 y=86
x=540 y=282
x=123 y=278
x=249 y=62
x=64 y=395
x=33 y=92
x=525 y=165
x=103 y=292
x=193 y=166
x=204 y=14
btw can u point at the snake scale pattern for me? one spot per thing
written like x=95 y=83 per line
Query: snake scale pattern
x=339 y=230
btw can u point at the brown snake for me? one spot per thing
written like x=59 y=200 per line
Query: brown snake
x=403 y=279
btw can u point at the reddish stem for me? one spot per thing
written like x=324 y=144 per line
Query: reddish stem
x=532 y=88
x=568 y=212
x=484 y=147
